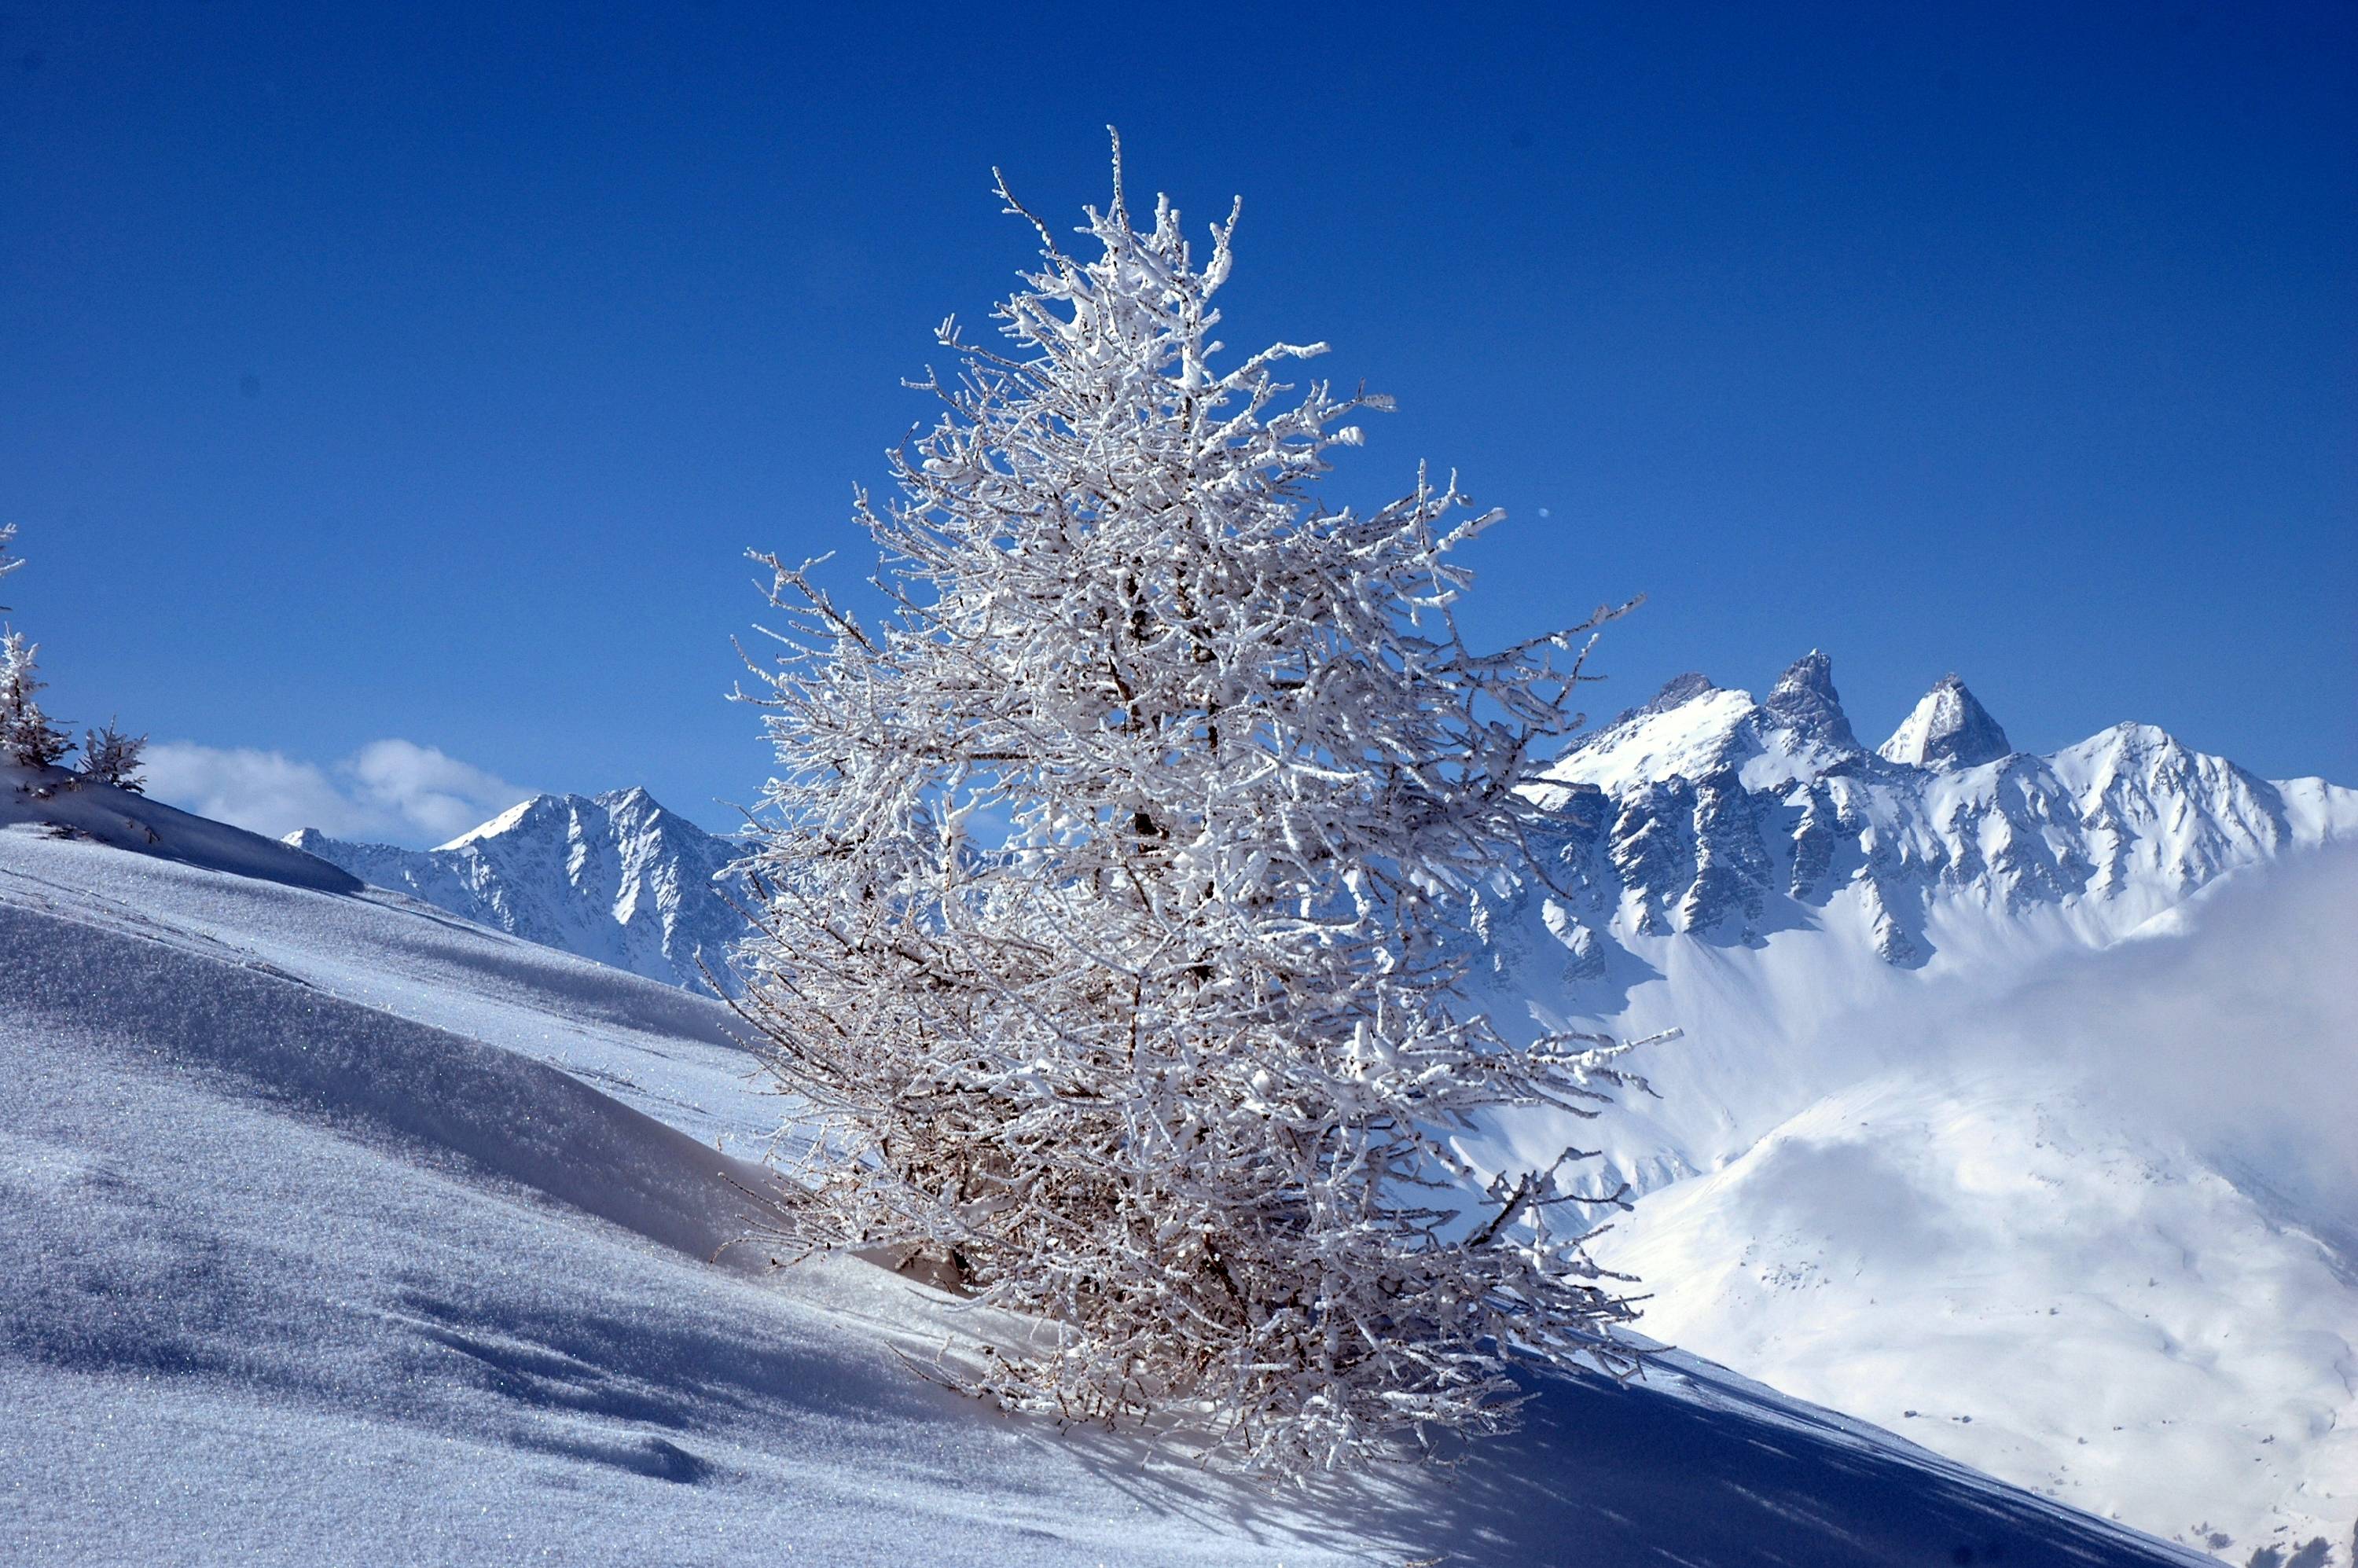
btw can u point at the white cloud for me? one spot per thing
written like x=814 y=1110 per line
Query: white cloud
x=2235 y=1025
x=389 y=791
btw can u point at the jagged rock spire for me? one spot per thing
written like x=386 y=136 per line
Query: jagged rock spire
x=1948 y=729
x=1806 y=703
x=1678 y=691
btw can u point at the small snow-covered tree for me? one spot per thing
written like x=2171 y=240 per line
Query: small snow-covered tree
x=1108 y=884
x=7 y=536
x=111 y=757
x=27 y=736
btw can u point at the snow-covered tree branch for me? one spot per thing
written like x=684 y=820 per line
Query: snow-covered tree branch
x=1107 y=880
x=111 y=757
x=28 y=738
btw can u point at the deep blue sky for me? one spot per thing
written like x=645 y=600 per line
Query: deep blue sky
x=420 y=372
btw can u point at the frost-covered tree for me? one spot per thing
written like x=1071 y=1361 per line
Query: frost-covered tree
x=7 y=537
x=111 y=757
x=27 y=736
x=1107 y=884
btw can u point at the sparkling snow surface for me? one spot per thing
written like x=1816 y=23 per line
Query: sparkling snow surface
x=310 y=1253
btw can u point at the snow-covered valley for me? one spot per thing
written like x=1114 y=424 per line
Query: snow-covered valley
x=339 y=1230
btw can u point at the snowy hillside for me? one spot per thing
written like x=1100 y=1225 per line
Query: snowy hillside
x=65 y=802
x=1928 y=1144
x=614 y=877
x=335 y=1228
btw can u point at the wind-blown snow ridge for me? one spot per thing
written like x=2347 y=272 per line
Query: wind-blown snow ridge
x=614 y=877
x=66 y=805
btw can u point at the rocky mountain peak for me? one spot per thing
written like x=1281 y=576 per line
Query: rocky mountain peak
x=614 y=877
x=1677 y=692
x=1805 y=703
x=1703 y=814
x=1948 y=729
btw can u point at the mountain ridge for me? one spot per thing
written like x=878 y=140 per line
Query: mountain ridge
x=615 y=877
x=1702 y=812
x=1706 y=813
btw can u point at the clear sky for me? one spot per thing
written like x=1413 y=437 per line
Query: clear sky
x=388 y=392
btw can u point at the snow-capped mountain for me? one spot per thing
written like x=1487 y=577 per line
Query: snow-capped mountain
x=1702 y=813
x=1711 y=814
x=2012 y=1098
x=613 y=878
x=1947 y=730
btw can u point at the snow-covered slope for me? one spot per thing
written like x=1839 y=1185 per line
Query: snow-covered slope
x=64 y=804
x=1862 y=1187
x=614 y=877
x=2003 y=1267
x=333 y=1230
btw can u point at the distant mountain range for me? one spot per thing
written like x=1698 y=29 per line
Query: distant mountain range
x=1702 y=813
x=1708 y=813
x=615 y=878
